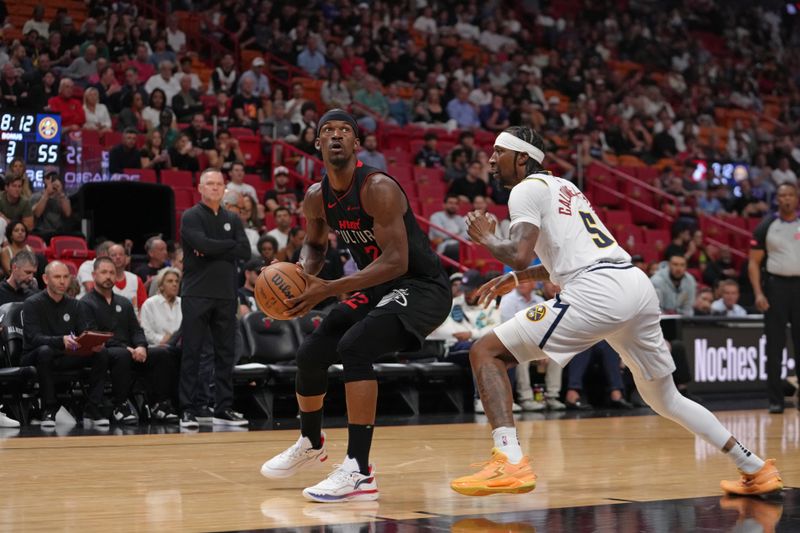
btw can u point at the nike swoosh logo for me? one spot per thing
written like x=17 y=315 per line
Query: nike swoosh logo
x=331 y=206
x=351 y=208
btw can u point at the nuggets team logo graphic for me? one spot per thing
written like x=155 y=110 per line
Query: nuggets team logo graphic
x=536 y=313
x=48 y=128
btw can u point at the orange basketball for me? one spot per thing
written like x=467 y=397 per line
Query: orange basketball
x=276 y=283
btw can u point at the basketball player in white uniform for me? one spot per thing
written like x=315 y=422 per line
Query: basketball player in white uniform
x=602 y=297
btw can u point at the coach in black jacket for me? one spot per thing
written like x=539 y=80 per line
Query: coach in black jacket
x=51 y=321
x=128 y=349
x=213 y=240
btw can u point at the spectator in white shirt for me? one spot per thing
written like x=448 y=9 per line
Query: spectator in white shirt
x=783 y=174
x=97 y=117
x=37 y=23
x=164 y=80
x=237 y=184
x=85 y=277
x=161 y=314
x=728 y=304
x=186 y=70
x=256 y=73
x=283 y=223
x=425 y=23
x=450 y=221
x=175 y=37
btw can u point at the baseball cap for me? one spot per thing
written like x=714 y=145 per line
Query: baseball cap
x=50 y=170
x=258 y=62
x=471 y=280
x=456 y=276
x=280 y=170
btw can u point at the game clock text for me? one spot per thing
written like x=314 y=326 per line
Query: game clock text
x=32 y=137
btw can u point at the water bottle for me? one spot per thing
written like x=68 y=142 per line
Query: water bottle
x=538 y=393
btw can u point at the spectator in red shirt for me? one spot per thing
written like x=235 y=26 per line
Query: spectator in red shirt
x=71 y=108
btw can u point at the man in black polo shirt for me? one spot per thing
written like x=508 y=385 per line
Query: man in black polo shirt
x=51 y=321
x=777 y=239
x=213 y=239
x=20 y=284
x=128 y=348
x=125 y=155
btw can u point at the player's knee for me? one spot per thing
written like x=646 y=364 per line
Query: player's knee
x=357 y=364
x=312 y=371
x=480 y=352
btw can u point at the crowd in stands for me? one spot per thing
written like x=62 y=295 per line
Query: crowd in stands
x=607 y=81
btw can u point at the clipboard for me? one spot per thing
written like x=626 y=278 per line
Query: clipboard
x=91 y=339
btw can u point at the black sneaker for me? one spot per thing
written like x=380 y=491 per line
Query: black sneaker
x=188 y=420
x=775 y=408
x=123 y=414
x=205 y=415
x=229 y=417
x=49 y=418
x=164 y=412
x=92 y=413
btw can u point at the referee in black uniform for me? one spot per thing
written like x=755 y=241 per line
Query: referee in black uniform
x=777 y=239
x=213 y=239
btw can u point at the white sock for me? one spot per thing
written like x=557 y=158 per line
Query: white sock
x=505 y=440
x=745 y=460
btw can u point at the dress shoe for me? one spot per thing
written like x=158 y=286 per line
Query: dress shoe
x=775 y=409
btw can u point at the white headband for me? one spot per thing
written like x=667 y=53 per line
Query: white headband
x=512 y=142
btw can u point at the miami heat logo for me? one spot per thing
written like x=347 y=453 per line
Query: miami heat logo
x=316 y=321
x=48 y=128
x=536 y=313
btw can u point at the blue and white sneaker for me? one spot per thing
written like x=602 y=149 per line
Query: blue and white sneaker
x=345 y=484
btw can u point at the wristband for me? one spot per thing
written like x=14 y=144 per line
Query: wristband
x=516 y=279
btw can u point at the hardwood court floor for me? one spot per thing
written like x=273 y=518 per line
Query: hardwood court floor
x=211 y=481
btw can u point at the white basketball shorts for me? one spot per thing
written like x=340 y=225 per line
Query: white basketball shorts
x=607 y=301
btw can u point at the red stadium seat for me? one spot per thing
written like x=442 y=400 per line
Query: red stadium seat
x=177 y=178
x=146 y=175
x=65 y=246
x=251 y=149
x=184 y=198
x=428 y=175
x=37 y=244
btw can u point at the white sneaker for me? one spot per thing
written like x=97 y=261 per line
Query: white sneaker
x=296 y=457
x=7 y=422
x=479 y=407
x=515 y=408
x=555 y=405
x=345 y=484
x=532 y=405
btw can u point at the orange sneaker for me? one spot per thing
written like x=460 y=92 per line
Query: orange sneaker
x=497 y=476
x=766 y=480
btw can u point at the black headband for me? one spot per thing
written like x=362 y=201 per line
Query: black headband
x=337 y=114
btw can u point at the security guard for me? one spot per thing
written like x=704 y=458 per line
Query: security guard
x=213 y=239
x=777 y=238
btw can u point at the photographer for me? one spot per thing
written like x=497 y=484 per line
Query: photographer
x=51 y=207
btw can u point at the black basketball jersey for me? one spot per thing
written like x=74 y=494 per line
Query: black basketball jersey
x=354 y=227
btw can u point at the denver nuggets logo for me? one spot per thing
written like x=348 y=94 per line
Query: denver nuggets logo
x=536 y=313
x=48 y=128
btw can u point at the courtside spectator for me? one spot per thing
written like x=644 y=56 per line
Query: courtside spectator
x=156 y=250
x=161 y=314
x=125 y=155
x=456 y=166
x=728 y=303
x=703 y=301
x=87 y=267
x=246 y=293
x=227 y=151
x=126 y=284
x=20 y=283
x=267 y=248
x=201 y=137
x=675 y=287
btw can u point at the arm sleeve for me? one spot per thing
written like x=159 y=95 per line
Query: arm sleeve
x=529 y=202
x=192 y=233
x=759 y=240
x=32 y=329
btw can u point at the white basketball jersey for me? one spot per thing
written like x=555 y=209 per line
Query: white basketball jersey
x=571 y=235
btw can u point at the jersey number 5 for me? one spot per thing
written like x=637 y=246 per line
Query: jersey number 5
x=600 y=239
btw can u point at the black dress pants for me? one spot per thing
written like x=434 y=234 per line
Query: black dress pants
x=48 y=361
x=783 y=295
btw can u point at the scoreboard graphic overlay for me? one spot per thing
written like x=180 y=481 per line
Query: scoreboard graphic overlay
x=32 y=137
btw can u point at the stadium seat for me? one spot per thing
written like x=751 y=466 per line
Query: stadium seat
x=177 y=178
x=184 y=198
x=66 y=246
x=146 y=175
x=36 y=243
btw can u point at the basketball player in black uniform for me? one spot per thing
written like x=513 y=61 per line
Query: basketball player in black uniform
x=401 y=294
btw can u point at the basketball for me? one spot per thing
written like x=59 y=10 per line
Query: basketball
x=276 y=283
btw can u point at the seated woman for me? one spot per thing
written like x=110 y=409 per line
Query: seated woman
x=154 y=155
x=97 y=117
x=16 y=235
